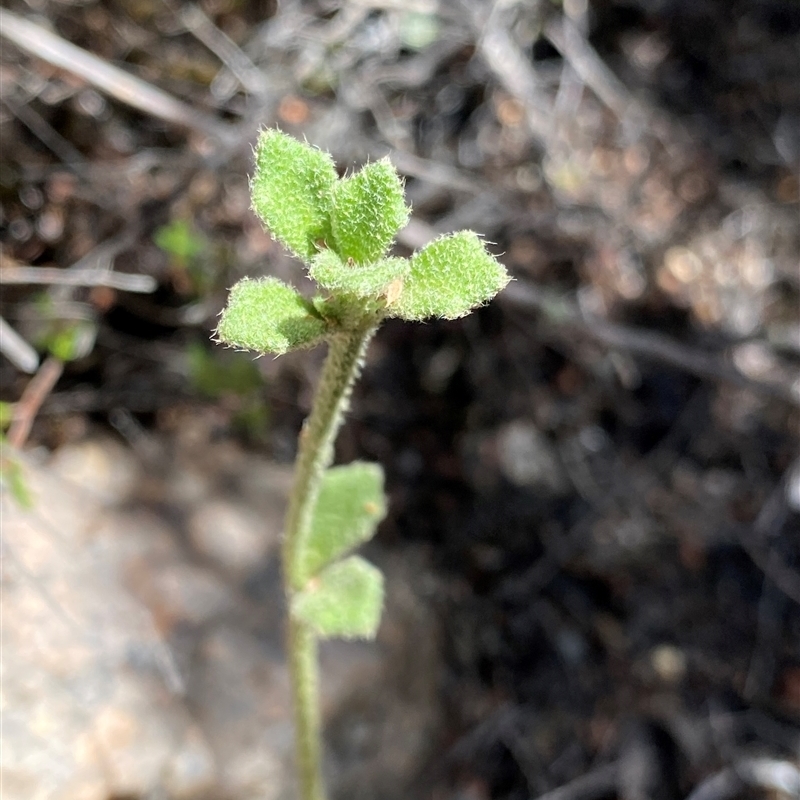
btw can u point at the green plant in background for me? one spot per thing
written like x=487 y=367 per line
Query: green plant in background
x=342 y=229
x=193 y=262
x=66 y=330
x=233 y=379
x=180 y=241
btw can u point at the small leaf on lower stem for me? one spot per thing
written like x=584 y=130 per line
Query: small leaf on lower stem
x=351 y=503
x=343 y=602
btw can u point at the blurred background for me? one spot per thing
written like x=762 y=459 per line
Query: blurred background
x=592 y=549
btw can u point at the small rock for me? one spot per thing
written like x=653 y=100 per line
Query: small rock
x=187 y=486
x=191 y=771
x=180 y=592
x=94 y=789
x=345 y=666
x=528 y=459
x=242 y=698
x=86 y=713
x=101 y=467
x=669 y=663
x=237 y=539
x=255 y=773
x=266 y=486
x=136 y=736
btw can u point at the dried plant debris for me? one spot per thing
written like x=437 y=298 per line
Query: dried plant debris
x=601 y=475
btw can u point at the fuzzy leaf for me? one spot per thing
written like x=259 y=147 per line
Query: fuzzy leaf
x=372 y=280
x=268 y=316
x=449 y=277
x=291 y=191
x=351 y=504
x=344 y=601
x=368 y=211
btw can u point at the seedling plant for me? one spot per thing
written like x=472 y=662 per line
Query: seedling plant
x=342 y=229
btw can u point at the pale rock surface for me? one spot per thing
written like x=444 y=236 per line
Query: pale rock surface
x=235 y=538
x=142 y=625
x=102 y=468
x=81 y=719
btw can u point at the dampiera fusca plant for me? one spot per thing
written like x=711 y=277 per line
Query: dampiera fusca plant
x=342 y=230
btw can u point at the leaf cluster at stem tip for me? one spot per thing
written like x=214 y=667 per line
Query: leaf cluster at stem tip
x=343 y=229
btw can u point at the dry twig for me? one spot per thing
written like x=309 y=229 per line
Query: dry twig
x=35 y=393
x=598 y=783
x=515 y=73
x=41 y=43
x=16 y=349
x=756 y=773
x=224 y=48
x=773 y=566
x=640 y=342
x=592 y=70
x=86 y=277
x=768 y=526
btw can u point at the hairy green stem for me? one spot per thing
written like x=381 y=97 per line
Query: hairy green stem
x=304 y=673
x=315 y=454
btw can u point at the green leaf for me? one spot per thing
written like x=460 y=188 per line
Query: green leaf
x=68 y=339
x=71 y=340
x=344 y=601
x=351 y=504
x=329 y=271
x=19 y=486
x=6 y=414
x=449 y=277
x=180 y=240
x=12 y=476
x=368 y=211
x=67 y=333
x=291 y=191
x=268 y=316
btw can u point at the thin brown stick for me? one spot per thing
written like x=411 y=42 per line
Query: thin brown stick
x=435 y=172
x=48 y=46
x=641 y=342
x=35 y=393
x=49 y=136
x=592 y=70
x=514 y=71
x=223 y=47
